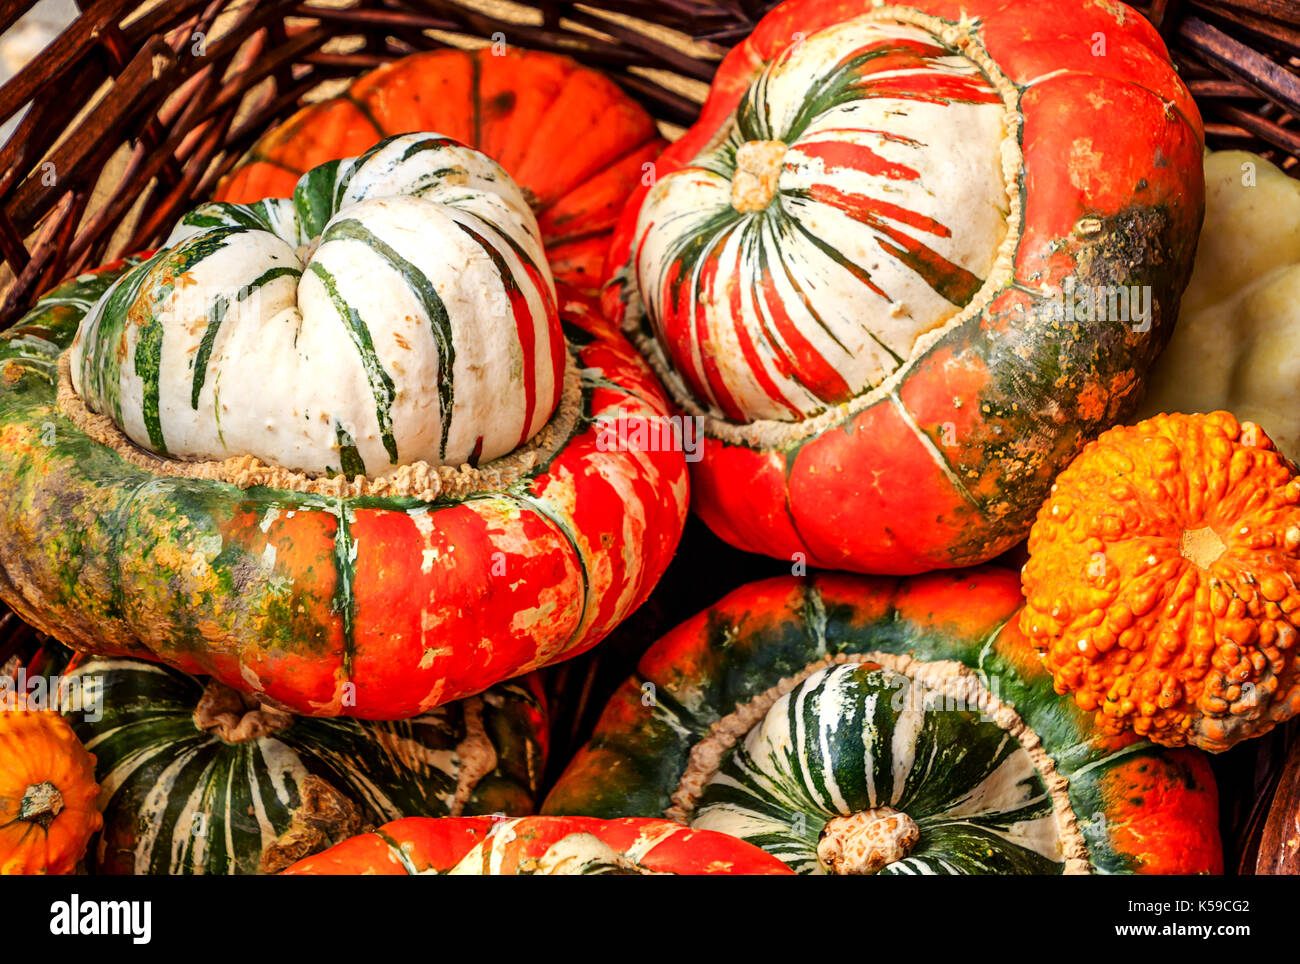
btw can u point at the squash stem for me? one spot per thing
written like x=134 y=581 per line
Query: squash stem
x=41 y=804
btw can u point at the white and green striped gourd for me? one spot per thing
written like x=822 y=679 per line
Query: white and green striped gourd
x=397 y=309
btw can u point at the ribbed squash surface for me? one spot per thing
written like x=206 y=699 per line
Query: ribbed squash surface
x=48 y=792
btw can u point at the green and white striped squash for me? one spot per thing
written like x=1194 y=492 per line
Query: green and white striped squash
x=859 y=726
x=181 y=799
x=951 y=790
x=397 y=309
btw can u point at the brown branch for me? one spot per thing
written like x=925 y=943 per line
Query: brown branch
x=1237 y=60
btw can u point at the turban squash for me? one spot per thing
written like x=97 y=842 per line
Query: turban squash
x=396 y=309
x=200 y=779
x=858 y=725
x=48 y=793
x=873 y=268
x=484 y=846
x=343 y=595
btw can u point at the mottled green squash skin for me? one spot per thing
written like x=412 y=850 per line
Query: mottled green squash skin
x=1140 y=808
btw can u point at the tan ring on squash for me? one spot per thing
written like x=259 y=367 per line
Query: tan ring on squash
x=417 y=480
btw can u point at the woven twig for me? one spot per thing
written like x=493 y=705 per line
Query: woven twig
x=127 y=126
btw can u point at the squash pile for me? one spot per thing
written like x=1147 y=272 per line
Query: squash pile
x=342 y=450
x=317 y=490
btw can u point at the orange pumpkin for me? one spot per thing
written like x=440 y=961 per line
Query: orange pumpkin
x=48 y=794
x=1162 y=581
x=573 y=141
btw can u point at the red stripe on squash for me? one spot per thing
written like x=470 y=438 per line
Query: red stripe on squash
x=715 y=386
x=500 y=585
x=843 y=155
x=755 y=364
x=803 y=361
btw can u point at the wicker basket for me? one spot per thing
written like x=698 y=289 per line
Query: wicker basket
x=137 y=109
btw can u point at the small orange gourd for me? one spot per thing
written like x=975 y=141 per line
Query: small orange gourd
x=48 y=794
x=1162 y=582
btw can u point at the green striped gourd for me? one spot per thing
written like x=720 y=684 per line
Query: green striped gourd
x=917 y=768
x=397 y=309
x=198 y=779
x=857 y=726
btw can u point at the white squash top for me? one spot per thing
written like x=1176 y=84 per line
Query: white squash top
x=857 y=201
x=397 y=309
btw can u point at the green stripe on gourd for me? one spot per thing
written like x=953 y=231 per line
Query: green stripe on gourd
x=180 y=799
x=315 y=199
x=349 y=459
x=348 y=304
x=345 y=603
x=218 y=314
x=435 y=310
x=104 y=328
x=851 y=739
x=381 y=383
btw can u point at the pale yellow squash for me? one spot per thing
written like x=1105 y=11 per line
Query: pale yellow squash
x=1237 y=342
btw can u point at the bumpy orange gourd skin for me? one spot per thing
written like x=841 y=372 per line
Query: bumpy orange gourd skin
x=37 y=748
x=1162 y=581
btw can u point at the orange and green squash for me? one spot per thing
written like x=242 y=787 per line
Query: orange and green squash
x=528 y=846
x=854 y=725
x=373 y=596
